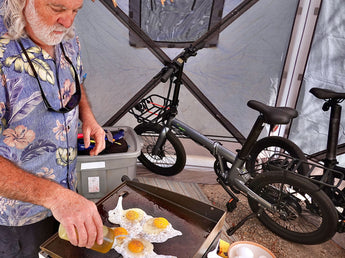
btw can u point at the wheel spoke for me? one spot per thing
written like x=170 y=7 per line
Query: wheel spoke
x=166 y=156
x=169 y=159
x=304 y=213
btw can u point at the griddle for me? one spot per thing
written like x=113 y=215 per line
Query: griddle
x=199 y=222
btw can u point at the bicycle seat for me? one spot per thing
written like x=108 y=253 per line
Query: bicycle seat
x=273 y=115
x=327 y=94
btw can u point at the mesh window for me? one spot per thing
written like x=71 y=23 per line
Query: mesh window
x=176 y=23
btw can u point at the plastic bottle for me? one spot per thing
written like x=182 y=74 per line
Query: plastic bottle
x=108 y=239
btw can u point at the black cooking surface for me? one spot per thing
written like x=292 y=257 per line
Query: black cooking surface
x=193 y=218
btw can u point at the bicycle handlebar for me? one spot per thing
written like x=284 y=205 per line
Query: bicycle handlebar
x=167 y=73
x=176 y=64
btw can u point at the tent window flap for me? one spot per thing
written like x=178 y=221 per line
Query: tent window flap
x=176 y=23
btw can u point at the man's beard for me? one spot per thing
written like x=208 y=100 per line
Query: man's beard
x=42 y=31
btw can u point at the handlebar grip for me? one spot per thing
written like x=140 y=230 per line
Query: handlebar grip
x=166 y=75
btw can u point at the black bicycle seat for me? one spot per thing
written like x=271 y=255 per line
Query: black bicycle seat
x=327 y=94
x=273 y=115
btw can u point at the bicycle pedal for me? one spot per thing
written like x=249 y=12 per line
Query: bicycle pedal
x=231 y=205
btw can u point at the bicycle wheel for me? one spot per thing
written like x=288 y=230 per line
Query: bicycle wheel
x=304 y=213
x=274 y=151
x=171 y=158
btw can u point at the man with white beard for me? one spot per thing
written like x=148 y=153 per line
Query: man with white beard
x=41 y=99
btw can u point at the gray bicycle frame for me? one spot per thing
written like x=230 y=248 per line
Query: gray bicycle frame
x=219 y=151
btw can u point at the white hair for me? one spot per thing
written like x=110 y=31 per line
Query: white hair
x=14 y=20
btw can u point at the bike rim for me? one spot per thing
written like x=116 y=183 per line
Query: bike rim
x=296 y=210
x=167 y=156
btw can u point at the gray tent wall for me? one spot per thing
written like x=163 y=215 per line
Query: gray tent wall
x=295 y=63
x=246 y=64
x=325 y=69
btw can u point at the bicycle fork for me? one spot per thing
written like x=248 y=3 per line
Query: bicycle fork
x=160 y=141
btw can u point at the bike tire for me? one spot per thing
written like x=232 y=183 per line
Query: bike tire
x=264 y=149
x=310 y=218
x=172 y=157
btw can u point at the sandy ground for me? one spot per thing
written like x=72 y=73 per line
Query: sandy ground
x=253 y=230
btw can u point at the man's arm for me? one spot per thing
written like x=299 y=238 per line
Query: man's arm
x=90 y=126
x=73 y=211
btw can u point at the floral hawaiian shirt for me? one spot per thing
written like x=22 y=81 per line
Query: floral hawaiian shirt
x=40 y=141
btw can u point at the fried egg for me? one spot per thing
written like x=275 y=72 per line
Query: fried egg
x=120 y=234
x=138 y=248
x=158 y=230
x=137 y=230
x=130 y=219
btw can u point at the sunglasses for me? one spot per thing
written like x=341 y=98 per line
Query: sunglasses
x=74 y=99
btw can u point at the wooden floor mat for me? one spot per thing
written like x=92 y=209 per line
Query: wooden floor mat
x=188 y=189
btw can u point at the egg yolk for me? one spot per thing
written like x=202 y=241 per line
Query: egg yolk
x=132 y=215
x=120 y=231
x=160 y=222
x=135 y=246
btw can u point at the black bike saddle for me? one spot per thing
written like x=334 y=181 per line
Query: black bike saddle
x=327 y=94
x=273 y=115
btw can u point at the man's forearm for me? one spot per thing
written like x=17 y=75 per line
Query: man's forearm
x=69 y=208
x=18 y=184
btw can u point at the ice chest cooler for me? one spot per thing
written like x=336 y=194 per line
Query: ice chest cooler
x=98 y=175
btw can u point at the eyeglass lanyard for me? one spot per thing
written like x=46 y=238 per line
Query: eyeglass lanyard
x=42 y=93
x=36 y=75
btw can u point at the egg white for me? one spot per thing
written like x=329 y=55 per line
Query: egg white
x=135 y=228
x=158 y=235
x=118 y=216
x=146 y=253
x=135 y=224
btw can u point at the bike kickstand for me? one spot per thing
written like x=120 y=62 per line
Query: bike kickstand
x=233 y=229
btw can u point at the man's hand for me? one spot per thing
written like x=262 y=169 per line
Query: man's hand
x=97 y=133
x=80 y=215
x=72 y=210
x=90 y=126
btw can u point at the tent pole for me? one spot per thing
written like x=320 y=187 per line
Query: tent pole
x=131 y=25
x=160 y=54
x=132 y=102
x=212 y=109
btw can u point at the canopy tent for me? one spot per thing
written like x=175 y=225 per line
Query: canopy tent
x=260 y=54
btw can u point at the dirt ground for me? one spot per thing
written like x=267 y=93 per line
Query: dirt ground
x=252 y=230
